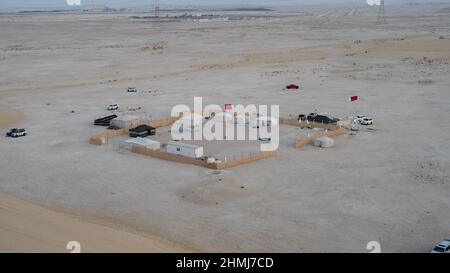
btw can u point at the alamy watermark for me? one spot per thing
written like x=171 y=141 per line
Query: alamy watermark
x=212 y=123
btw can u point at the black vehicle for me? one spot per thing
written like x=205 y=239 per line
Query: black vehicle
x=11 y=131
x=301 y=117
x=323 y=119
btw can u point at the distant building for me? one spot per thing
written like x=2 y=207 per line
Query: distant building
x=96 y=8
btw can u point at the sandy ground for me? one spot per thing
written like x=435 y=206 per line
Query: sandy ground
x=29 y=228
x=390 y=185
x=9 y=116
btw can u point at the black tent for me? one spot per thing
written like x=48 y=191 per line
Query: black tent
x=105 y=120
x=142 y=130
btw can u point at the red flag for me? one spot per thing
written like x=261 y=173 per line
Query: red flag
x=353 y=98
x=228 y=106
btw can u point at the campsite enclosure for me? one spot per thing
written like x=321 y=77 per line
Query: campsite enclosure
x=330 y=130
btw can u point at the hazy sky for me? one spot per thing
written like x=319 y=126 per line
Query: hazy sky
x=20 y=4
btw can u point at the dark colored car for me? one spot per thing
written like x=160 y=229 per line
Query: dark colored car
x=323 y=119
x=292 y=86
x=311 y=116
x=301 y=117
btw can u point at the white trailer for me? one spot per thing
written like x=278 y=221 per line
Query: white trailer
x=184 y=149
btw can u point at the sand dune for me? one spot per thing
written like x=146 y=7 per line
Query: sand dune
x=9 y=116
x=25 y=227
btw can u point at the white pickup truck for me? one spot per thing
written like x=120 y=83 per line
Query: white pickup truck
x=113 y=107
x=131 y=89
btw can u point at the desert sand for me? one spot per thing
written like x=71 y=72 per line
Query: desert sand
x=390 y=184
x=9 y=117
x=25 y=227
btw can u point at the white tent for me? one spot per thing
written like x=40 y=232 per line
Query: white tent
x=190 y=122
x=144 y=142
x=267 y=121
x=224 y=117
x=241 y=119
x=125 y=121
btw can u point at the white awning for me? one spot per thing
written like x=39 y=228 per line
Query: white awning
x=145 y=142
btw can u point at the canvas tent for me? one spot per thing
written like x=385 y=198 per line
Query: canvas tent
x=241 y=119
x=104 y=121
x=142 y=130
x=267 y=121
x=144 y=142
x=190 y=122
x=225 y=117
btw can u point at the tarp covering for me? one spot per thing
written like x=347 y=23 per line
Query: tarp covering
x=144 y=142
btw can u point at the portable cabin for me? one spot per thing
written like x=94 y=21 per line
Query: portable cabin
x=184 y=149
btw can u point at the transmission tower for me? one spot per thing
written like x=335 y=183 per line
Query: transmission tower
x=381 y=18
x=157 y=10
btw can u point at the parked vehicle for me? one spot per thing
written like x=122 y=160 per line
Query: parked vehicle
x=264 y=139
x=364 y=120
x=131 y=89
x=323 y=119
x=292 y=86
x=301 y=117
x=442 y=247
x=16 y=132
x=113 y=106
x=311 y=116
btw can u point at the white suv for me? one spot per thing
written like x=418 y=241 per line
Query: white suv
x=113 y=106
x=131 y=89
x=442 y=247
x=364 y=120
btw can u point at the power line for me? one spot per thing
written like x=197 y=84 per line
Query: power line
x=157 y=8
x=381 y=18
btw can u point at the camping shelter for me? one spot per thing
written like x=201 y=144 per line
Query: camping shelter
x=224 y=117
x=144 y=142
x=105 y=121
x=142 y=130
x=190 y=122
x=125 y=121
x=241 y=119
x=267 y=121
